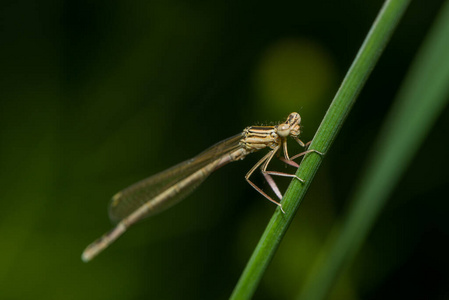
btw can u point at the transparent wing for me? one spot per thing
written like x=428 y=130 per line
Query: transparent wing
x=130 y=199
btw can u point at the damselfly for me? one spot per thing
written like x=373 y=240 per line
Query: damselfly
x=158 y=192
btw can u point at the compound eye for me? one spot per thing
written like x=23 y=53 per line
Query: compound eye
x=283 y=130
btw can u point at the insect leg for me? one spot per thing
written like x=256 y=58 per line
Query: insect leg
x=248 y=175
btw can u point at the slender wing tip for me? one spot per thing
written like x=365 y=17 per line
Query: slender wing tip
x=115 y=201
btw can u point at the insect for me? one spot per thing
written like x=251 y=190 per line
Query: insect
x=158 y=192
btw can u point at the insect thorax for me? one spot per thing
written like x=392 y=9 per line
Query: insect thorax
x=256 y=138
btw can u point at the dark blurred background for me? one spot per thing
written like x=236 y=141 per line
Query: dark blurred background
x=95 y=96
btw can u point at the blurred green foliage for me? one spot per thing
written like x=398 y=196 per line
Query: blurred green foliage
x=97 y=95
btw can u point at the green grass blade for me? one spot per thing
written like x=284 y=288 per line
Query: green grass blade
x=422 y=97
x=357 y=75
